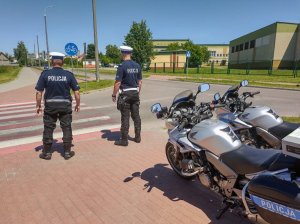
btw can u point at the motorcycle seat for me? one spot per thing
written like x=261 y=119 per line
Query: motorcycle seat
x=248 y=160
x=282 y=130
x=274 y=189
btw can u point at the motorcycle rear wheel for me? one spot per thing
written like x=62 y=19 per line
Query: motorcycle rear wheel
x=170 y=153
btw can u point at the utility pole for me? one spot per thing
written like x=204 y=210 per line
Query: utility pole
x=38 y=49
x=46 y=32
x=34 y=54
x=96 y=40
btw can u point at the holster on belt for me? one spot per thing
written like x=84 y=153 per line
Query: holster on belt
x=121 y=101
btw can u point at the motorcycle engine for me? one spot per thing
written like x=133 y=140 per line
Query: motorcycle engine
x=205 y=179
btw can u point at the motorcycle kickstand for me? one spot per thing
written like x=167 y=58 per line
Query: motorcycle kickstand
x=225 y=206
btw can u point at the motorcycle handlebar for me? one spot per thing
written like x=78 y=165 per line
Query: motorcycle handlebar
x=255 y=93
x=205 y=116
x=183 y=124
x=219 y=105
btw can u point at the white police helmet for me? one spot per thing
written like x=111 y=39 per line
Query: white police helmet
x=126 y=49
x=56 y=55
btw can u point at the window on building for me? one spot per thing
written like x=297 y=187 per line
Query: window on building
x=218 y=55
x=232 y=49
x=237 y=48
x=213 y=53
x=252 y=44
x=246 y=45
x=241 y=47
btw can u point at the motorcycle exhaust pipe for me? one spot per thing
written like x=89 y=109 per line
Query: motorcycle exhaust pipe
x=189 y=174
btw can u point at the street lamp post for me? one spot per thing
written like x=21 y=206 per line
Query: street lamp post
x=46 y=32
x=38 y=49
x=96 y=39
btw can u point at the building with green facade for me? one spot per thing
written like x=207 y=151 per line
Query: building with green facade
x=276 y=46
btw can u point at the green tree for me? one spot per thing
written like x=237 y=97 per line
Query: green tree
x=113 y=53
x=140 y=39
x=104 y=59
x=174 y=47
x=199 y=54
x=21 y=53
x=90 y=53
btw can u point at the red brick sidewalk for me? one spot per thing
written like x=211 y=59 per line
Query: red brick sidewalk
x=103 y=183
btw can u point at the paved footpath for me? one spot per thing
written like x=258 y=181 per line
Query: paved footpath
x=103 y=183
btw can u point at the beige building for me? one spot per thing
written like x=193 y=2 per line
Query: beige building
x=3 y=59
x=275 y=46
x=162 y=44
x=218 y=53
x=169 y=59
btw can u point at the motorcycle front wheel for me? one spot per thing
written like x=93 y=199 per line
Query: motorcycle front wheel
x=175 y=162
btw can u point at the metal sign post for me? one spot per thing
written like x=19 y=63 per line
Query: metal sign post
x=188 y=55
x=84 y=61
x=71 y=49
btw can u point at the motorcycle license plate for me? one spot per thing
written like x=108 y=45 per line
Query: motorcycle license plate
x=276 y=208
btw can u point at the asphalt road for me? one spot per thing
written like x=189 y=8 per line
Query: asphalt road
x=18 y=121
x=284 y=102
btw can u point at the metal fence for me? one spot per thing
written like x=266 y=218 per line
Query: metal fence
x=286 y=68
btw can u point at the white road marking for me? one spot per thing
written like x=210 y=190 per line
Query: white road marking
x=22 y=107
x=19 y=116
x=21 y=110
x=17 y=104
x=38 y=127
x=84 y=108
x=23 y=141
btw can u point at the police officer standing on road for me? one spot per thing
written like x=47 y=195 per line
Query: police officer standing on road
x=128 y=83
x=58 y=104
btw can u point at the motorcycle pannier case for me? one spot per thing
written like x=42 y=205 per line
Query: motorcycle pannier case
x=277 y=201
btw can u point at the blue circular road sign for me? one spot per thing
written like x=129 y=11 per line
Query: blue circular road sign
x=188 y=54
x=71 y=49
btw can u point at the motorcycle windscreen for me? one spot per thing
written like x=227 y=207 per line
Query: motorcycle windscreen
x=183 y=96
x=232 y=90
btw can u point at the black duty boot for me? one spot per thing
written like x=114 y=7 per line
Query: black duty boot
x=137 y=137
x=46 y=152
x=121 y=142
x=68 y=153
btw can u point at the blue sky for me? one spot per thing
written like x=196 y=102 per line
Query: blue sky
x=217 y=21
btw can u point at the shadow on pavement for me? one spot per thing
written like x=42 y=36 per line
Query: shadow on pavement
x=56 y=147
x=113 y=135
x=190 y=191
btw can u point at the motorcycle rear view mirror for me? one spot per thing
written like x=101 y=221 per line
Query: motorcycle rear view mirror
x=203 y=87
x=244 y=83
x=156 y=108
x=217 y=97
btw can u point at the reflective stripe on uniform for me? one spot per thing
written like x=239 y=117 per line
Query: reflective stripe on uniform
x=129 y=89
x=58 y=100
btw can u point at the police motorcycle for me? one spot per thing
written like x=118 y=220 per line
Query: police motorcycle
x=252 y=181
x=183 y=103
x=255 y=125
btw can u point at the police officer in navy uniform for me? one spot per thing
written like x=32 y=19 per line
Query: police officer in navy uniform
x=128 y=83
x=57 y=84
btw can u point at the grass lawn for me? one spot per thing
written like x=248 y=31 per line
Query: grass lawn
x=94 y=85
x=8 y=73
x=292 y=119
x=233 y=80
x=279 y=78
